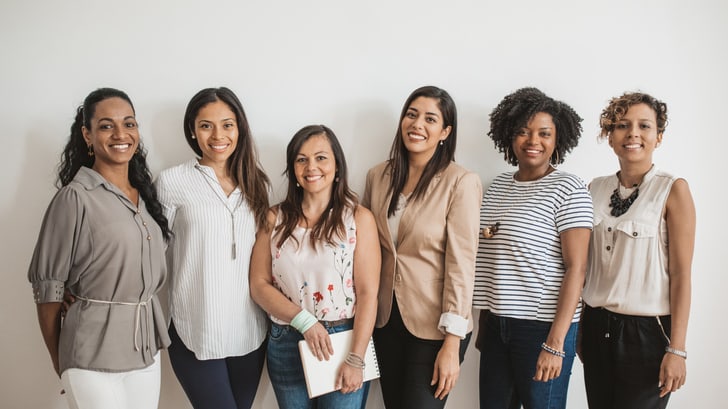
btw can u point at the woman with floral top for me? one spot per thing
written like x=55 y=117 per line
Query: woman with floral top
x=315 y=267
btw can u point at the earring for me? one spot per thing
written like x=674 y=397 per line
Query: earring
x=297 y=185
x=193 y=136
x=336 y=179
x=556 y=151
x=91 y=150
x=442 y=142
x=508 y=155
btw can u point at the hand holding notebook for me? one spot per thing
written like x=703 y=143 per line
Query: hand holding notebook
x=321 y=375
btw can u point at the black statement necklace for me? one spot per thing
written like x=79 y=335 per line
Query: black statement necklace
x=620 y=206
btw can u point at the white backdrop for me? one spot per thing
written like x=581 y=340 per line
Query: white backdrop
x=350 y=65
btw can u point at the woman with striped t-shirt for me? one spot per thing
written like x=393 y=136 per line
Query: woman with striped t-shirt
x=535 y=226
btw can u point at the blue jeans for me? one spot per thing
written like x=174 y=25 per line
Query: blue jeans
x=286 y=374
x=509 y=351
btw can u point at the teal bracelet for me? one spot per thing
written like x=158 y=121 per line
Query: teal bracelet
x=303 y=321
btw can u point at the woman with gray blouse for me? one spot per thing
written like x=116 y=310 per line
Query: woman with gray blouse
x=102 y=238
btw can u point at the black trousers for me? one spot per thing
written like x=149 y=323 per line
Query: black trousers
x=622 y=357
x=226 y=383
x=406 y=364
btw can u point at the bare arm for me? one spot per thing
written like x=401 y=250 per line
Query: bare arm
x=272 y=300
x=574 y=250
x=367 y=263
x=49 y=318
x=680 y=218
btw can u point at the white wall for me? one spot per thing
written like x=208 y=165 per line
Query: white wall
x=351 y=65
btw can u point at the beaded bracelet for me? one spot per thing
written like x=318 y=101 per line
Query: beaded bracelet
x=553 y=351
x=355 y=360
x=681 y=354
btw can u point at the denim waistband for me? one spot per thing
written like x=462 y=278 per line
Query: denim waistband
x=327 y=324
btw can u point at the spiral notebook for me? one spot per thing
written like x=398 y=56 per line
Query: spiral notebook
x=321 y=375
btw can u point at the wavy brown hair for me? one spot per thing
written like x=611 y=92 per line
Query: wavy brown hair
x=243 y=164
x=330 y=225
x=618 y=107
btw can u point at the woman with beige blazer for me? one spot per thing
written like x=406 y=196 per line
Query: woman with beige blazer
x=426 y=208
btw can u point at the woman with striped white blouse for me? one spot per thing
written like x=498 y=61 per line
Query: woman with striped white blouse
x=532 y=256
x=215 y=203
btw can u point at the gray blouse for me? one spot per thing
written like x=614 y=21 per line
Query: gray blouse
x=110 y=254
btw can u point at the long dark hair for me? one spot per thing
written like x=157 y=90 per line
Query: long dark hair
x=342 y=198
x=75 y=154
x=444 y=154
x=243 y=164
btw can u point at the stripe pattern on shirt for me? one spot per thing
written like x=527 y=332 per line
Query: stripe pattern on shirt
x=520 y=269
x=209 y=293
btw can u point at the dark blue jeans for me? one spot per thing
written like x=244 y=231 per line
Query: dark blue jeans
x=227 y=383
x=286 y=374
x=508 y=353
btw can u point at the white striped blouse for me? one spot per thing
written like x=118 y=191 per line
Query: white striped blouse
x=208 y=259
x=518 y=271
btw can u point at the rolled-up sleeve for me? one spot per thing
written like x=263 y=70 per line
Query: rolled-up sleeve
x=461 y=249
x=58 y=242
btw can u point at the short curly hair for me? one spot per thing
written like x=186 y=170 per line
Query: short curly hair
x=619 y=106
x=515 y=110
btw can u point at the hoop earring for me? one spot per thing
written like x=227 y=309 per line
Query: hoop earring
x=556 y=163
x=91 y=150
x=507 y=155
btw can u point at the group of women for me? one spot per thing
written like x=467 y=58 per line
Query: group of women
x=406 y=264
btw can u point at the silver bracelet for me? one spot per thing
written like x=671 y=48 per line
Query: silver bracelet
x=681 y=354
x=553 y=351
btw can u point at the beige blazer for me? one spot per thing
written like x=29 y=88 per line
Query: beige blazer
x=432 y=270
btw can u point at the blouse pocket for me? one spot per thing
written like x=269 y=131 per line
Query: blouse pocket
x=637 y=230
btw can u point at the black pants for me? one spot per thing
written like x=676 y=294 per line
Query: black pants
x=406 y=364
x=622 y=357
x=227 y=383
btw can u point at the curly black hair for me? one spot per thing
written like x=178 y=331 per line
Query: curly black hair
x=516 y=109
x=75 y=154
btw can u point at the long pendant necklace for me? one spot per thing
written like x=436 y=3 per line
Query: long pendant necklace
x=207 y=179
x=620 y=206
x=491 y=229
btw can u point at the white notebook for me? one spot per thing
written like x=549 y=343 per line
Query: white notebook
x=321 y=375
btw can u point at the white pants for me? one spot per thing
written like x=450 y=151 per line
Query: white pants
x=138 y=389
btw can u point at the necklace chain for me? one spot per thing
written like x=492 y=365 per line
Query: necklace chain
x=491 y=229
x=207 y=179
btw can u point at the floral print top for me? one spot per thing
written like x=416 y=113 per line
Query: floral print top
x=319 y=279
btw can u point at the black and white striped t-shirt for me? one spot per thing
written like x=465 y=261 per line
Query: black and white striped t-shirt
x=518 y=271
